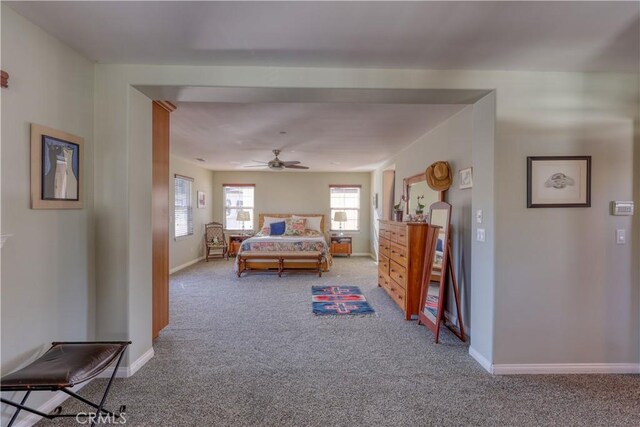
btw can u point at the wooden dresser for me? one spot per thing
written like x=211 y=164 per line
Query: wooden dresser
x=401 y=259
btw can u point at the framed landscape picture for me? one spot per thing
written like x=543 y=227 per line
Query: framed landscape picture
x=56 y=169
x=558 y=181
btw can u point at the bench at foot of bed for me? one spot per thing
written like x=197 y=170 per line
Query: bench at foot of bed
x=280 y=258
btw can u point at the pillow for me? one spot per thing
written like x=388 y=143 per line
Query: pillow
x=269 y=219
x=313 y=222
x=265 y=231
x=277 y=228
x=295 y=227
x=312 y=233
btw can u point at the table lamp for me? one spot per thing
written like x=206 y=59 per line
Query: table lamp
x=340 y=217
x=243 y=216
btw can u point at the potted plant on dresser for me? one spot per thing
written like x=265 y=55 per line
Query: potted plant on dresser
x=398 y=209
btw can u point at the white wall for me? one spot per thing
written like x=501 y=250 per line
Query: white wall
x=48 y=288
x=299 y=192
x=187 y=249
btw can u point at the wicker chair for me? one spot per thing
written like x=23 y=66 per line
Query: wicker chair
x=215 y=243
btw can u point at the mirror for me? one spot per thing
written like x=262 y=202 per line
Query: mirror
x=419 y=194
x=437 y=264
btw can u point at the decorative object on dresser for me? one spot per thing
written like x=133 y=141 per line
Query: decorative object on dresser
x=398 y=209
x=341 y=245
x=235 y=240
x=403 y=248
x=215 y=243
x=434 y=275
x=340 y=217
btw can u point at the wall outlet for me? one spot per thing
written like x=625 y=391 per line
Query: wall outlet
x=621 y=236
x=480 y=234
x=479 y=216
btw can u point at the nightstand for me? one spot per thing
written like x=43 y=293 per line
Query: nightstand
x=341 y=245
x=235 y=240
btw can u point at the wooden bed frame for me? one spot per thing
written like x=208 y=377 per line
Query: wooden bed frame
x=292 y=265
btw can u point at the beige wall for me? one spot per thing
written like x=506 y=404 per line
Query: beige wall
x=188 y=249
x=298 y=192
x=48 y=288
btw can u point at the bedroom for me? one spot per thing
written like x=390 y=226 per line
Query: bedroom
x=549 y=291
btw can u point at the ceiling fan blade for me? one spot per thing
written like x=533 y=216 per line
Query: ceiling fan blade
x=296 y=167
x=291 y=162
x=257 y=166
x=260 y=161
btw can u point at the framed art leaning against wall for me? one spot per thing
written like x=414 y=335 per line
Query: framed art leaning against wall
x=558 y=181
x=56 y=169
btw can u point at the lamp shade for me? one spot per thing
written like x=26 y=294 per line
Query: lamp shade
x=340 y=216
x=243 y=216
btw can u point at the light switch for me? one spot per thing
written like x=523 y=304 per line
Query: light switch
x=480 y=234
x=621 y=236
x=479 y=216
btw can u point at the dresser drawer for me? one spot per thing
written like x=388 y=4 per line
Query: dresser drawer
x=383 y=280
x=384 y=247
x=397 y=293
x=398 y=254
x=383 y=227
x=398 y=273
x=393 y=234
x=401 y=235
x=383 y=264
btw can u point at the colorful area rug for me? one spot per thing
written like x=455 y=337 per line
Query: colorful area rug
x=339 y=300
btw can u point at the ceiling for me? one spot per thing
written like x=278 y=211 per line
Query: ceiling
x=334 y=129
x=324 y=136
x=545 y=36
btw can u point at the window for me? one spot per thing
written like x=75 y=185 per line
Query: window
x=238 y=198
x=345 y=198
x=183 y=210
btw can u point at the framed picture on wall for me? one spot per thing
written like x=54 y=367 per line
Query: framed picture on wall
x=56 y=169
x=466 y=178
x=202 y=202
x=558 y=181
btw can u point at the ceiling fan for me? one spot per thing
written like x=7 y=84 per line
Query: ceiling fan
x=277 y=164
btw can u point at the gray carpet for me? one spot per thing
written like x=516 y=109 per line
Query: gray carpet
x=249 y=352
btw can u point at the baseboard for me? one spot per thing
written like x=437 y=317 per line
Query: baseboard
x=26 y=419
x=128 y=371
x=185 y=265
x=481 y=360
x=566 y=368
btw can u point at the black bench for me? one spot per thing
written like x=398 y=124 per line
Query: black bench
x=63 y=366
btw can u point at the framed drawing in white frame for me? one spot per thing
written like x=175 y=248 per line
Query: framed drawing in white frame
x=466 y=178
x=558 y=181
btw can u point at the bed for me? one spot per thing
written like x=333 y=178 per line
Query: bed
x=308 y=242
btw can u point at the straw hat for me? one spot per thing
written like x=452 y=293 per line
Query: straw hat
x=439 y=176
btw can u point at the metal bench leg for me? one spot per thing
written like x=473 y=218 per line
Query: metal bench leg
x=18 y=408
